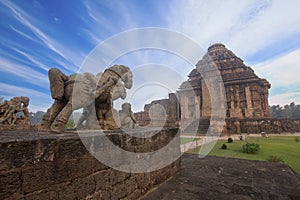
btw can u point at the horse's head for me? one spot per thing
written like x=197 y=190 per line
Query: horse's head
x=127 y=77
x=125 y=74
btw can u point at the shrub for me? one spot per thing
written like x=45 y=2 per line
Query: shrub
x=224 y=146
x=273 y=158
x=251 y=148
x=230 y=140
x=296 y=139
x=70 y=124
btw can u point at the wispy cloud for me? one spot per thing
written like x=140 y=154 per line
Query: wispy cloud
x=24 y=18
x=32 y=59
x=24 y=34
x=245 y=26
x=281 y=71
x=41 y=37
x=24 y=72
x=33 y=42
x=283 y=74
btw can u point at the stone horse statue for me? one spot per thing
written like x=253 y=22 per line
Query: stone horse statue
x=92 y=93
x=112 y=85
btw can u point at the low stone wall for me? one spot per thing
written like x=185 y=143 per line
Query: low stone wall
x=267 y=125
x=39 y=165
x=17 y=127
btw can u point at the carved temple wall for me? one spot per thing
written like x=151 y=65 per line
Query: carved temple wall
x=40 y=165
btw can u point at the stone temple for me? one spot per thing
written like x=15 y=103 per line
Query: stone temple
x=247 y=107
x=246 y=93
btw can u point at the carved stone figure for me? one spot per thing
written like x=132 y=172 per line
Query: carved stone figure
x=126 y=116
x=106 y=122
x=61 y=87
x=92 y=93
x=111 y=86
x=15 y=111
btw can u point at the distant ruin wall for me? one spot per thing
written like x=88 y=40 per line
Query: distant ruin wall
x=37 y=165
x=267 y=125
x=160 y=113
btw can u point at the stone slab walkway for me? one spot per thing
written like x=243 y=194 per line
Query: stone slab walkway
x=227 y=178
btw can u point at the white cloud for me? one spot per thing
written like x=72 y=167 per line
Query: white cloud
x=24 y=34
x=281 y=71
x=27 y=73
x=286 y=98
x=32 y=59
x=244 y=26
x=279 y=21
x=25 y=20
x=42 y=37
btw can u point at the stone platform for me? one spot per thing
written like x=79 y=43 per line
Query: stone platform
x=44 y=165
x=228 y=178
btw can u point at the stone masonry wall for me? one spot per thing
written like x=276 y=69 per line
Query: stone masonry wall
x=267 y=125
x=164 y=113
x=37 y=165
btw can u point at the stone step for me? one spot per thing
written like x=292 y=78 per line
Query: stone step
x=200 y=126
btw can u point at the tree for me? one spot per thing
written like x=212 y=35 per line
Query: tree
x=276 y=111
x=70 y=124
x=290 y=111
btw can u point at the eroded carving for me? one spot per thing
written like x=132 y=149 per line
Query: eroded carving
x=15 y=111
x=95 y=94
x=126 y=116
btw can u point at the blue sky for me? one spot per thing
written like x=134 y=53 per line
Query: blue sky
x=38 y=35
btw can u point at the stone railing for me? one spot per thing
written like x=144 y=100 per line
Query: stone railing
x=36 y=165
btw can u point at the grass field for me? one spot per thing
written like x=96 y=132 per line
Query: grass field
x=187 y=140
x=284 y=147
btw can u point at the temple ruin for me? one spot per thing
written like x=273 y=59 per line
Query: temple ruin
x=247 y=107
x=246 y=93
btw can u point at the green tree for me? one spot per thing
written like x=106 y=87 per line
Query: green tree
x=70 y=124
x=276 y=111
x=291 y=111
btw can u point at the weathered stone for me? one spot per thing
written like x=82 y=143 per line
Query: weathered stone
x=14 y=114
x=246 y=93
x=95 y=94
x=227 y=178
x=39 y=165
x=167 y=119
x=127 y=119
x=10 y=183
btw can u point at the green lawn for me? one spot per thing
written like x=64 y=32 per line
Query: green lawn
x=184 y=140
x=280 y=146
